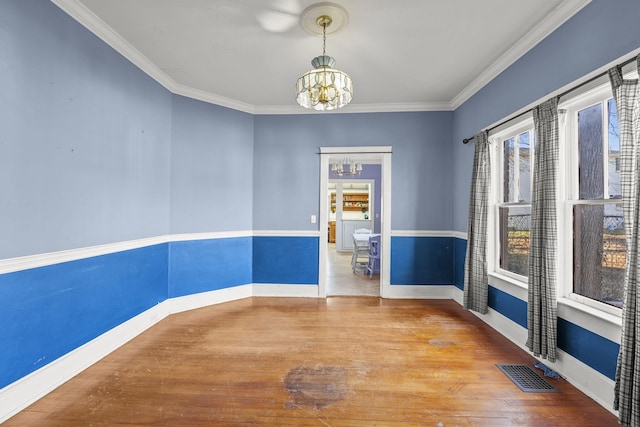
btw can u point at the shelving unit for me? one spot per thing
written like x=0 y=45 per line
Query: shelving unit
x=351 y=201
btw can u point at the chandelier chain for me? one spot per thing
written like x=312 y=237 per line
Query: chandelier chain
x=324 y=38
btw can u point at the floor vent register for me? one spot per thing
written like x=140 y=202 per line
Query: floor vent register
x=526 y=378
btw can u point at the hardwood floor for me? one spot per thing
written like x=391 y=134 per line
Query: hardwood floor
x=317 y=362
x=341 y=280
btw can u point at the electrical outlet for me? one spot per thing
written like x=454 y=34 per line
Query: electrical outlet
x=313 y=219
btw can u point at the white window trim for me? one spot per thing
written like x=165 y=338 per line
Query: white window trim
x=569 y=195
x=588 y=93
x=523 y=124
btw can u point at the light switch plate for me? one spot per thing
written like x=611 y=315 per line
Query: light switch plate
x=313 y=219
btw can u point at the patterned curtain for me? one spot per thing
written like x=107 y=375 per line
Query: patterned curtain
x=475 y=266
x=542 y=307
x=627 y=389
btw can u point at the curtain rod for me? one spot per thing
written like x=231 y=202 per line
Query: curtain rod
x=566 y=92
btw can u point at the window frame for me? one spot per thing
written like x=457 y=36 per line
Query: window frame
x=594 y=91
x=569 y=189
x=515 y=128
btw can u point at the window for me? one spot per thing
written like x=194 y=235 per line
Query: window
x=591 y=238
x=513 y=207
x=593 y=202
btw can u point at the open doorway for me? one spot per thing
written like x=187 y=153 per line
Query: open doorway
x=379 y=216
x=354 y=205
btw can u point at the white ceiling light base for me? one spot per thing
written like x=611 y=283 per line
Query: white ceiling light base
x=309 y=18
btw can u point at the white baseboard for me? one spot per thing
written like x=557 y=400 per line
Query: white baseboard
x=458 y=295
x=589 y=381
x=275 y=290
x=22 y=393
x=419 y=292
x=584 y=378
x=204 y=299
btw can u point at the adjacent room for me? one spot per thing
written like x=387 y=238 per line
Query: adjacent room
x=291 y=212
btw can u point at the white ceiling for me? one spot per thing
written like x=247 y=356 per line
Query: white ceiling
x=409 y=55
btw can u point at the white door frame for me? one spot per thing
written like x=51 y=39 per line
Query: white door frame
x=372 y=154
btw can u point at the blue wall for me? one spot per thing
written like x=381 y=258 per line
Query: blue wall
x=93 y=151
x=422 y=260
x=288 y=260
x=286 y=146
x=211 y=168
x=599 y=34
x=459 y=256
x=206 y=265
x=48 y=311
x=591 y=349
x=84 y=137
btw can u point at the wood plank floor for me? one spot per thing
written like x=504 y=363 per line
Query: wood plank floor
x=344 y=361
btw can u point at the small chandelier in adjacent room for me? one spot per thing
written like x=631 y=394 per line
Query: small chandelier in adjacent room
x=324 y=87
x=346 y=167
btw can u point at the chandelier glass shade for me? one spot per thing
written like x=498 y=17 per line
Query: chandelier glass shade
x=324 y=88
x=346 y=167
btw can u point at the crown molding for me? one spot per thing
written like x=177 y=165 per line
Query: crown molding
x=93 y=23
x=356 y=108
x=202 y=95
x=97 y=26
x=552 y=21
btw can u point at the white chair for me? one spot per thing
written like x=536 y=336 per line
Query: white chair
x=373 y=265
x=360 y=256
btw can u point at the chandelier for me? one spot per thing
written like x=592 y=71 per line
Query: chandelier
x=346 y=167
x=324 y=88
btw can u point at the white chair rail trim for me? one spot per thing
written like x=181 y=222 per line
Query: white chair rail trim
x=428 y=233
x=10 y=265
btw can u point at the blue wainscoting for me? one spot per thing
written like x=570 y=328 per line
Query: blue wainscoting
x=422 y=260
x=286 y=260
x=207 y=265
x=592 y=349
x=509 y=306
x=460 y=253
x=46 y=312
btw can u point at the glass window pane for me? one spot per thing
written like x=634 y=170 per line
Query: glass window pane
x=524 y=167
x=591 y=175
x=515 y=228
x=614 y=151
x=600 y=250
x=509 y=170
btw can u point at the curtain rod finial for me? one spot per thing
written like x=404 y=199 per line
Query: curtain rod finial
x=466 y=140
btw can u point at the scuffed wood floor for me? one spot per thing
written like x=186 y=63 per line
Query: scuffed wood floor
x=312 y=362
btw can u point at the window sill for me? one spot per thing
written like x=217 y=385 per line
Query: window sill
x=511 y=285
x=589 y=311
x=602 y=323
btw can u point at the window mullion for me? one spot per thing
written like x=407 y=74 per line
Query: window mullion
x=605 y=149
x=516 y=169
